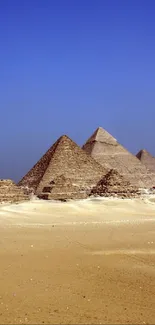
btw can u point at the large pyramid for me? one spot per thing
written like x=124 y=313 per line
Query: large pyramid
x=10 y=192
x=114 y=184
x=105 y=149
x=147 y=159
x=65 y=171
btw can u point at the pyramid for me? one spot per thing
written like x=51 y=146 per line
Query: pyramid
x=65 y=171
x=10 y=192
x=63 y=188
x=147 y=159
x=105 y=149
x=114 y=184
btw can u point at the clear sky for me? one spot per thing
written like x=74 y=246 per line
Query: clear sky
x=69 y=66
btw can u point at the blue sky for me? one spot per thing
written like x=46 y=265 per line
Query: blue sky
x=69 y=66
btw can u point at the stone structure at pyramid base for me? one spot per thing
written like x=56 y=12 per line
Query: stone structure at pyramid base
x=111 y=185
x=62 y=188
x=115 y=185
x=10 y=192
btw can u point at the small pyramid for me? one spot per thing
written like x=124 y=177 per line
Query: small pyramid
x=63 y=188
x=10 y=192
x=105 y=149
x=114 y=184
x=147 y=159
x=65 y=171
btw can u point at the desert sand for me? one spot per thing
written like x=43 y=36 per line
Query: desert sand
x=81 y=262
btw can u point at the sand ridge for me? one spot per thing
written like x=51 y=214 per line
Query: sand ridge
x=78 y=262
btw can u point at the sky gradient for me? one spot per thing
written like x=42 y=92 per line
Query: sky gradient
x=69 y=66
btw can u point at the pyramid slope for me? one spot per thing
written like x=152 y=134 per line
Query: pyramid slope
x=114 y=184
x=33 y=177
x=106 y=150
x=147 y=159
x=64 y=159
x=10 y=192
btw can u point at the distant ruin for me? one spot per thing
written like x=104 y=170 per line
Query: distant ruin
x=10 y=192
x=147 y=159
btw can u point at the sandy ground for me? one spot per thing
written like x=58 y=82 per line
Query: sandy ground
x=83 y=262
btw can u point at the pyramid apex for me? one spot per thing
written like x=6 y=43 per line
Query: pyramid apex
x=64 y=137
x=141 y=152
x=101 y=135
x=146 y=159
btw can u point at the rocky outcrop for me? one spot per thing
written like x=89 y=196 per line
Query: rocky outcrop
x=114 y=184
x=65 y=172
x=10 y=192
x=106 y=150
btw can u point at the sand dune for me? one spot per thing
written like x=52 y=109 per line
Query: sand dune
x=105 y=210
x=78 y=262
